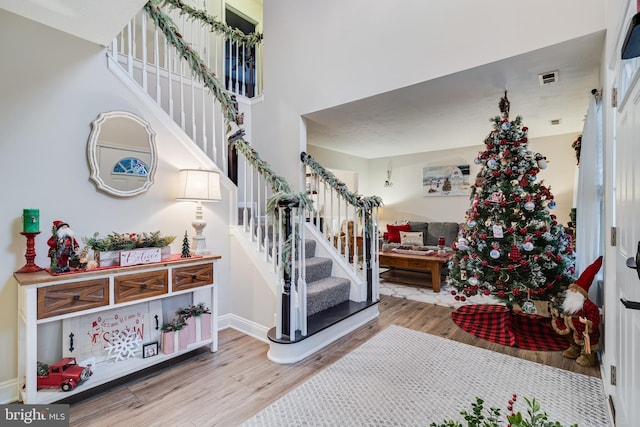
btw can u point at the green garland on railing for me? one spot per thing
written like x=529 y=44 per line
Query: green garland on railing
x=282 y=196
x=234 y=34
x=208 y=78
x=365 y=202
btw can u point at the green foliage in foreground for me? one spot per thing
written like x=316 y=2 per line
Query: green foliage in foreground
x=480 y=417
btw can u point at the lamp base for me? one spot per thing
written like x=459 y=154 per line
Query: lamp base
x=199 y=245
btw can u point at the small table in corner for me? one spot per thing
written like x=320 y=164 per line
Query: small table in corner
x=412 y=269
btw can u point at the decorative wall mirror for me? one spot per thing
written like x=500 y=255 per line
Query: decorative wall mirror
x=122 y=154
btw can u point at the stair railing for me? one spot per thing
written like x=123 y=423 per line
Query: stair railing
x=175 y=52
x=273 y=219
x=349 y=221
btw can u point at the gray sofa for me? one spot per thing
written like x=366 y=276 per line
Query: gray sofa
x=431 y=231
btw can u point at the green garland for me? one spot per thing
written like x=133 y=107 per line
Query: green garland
x=208 y=78
x=363 y=204
x=340 y=187
x=233 y=34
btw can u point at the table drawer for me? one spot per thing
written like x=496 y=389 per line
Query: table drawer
x=71 y=297
x=421 y=264
x=393 y=261
x=133 y=287
x=192 y=277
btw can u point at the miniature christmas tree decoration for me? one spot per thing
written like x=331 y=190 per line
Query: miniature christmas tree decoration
x=186 y=253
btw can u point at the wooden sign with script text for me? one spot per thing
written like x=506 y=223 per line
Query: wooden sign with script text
x=140 y=256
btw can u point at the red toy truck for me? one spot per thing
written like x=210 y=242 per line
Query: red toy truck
x=65 y=373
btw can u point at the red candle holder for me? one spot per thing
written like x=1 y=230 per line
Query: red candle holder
x=441 y=241
x=30 y=255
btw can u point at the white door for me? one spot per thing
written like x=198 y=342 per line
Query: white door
x=627 y=401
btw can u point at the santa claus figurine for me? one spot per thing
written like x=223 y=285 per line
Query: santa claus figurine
x=62 y=247
x=580 y=318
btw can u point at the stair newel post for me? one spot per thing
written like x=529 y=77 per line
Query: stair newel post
x=286 y=294
x=368 y=232
x=232 y=164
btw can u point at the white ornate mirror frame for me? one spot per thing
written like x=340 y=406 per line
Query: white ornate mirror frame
x=122 y=154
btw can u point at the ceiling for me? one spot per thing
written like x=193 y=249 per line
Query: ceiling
x=454 y=111
x=97 y=21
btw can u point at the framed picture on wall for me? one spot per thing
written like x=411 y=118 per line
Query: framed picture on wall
x=446 y=181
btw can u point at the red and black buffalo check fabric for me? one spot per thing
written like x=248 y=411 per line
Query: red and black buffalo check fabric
x=497 y=324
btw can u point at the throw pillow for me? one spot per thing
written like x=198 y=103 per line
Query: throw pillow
x=420 y=226
x=394 y=231
x=413 y=238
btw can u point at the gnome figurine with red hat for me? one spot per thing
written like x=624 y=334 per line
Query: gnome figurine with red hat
x=580 y=318
x=63 y=247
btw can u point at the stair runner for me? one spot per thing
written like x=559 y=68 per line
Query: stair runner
x=323 y=290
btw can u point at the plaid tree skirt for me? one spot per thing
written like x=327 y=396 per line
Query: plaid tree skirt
x=497 y=324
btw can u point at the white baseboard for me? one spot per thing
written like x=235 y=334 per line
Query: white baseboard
x=245 y=326
x=9 y=391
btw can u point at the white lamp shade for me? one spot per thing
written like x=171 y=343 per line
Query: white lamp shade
x=199 y=185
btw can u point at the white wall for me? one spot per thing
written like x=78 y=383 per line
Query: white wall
x=323 y=54
x=53 y=86
x=405 y=201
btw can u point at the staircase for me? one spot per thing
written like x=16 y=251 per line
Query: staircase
x=323 y=292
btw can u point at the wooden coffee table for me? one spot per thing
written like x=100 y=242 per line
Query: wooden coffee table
x=412 y=269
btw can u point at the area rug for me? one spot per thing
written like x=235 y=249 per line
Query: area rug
x=402 y=377
x=426 y=294
x=497 y=324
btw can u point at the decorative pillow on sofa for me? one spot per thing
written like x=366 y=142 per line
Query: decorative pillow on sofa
x=413 y=238
x=422 y=227
x=394 y=231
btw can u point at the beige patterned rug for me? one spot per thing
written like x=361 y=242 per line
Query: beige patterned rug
x=402 y=377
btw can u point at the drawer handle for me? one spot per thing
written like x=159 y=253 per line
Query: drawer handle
x=144 y=286
x=194 y=276
x=76 y=297
x=71 y=342
x=157 y=322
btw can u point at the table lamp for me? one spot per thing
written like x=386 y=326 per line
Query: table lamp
x=199 y=185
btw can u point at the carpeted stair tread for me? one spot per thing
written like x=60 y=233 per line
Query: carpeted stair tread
x=317 y=268
x=326 y=292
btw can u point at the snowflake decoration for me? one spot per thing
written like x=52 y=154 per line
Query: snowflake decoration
x=124 y=345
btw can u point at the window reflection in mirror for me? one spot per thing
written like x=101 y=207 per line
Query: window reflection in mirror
x=122 y=154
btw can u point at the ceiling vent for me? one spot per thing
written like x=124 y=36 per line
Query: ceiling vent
x=554 y=122
x=548 y=77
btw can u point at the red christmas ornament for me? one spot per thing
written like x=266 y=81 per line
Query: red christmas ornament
x=514 y=254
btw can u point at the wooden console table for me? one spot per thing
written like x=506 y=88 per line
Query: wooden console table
x=48 y=305
x=412 y=269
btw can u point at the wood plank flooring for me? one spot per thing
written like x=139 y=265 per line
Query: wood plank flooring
x=228 y=387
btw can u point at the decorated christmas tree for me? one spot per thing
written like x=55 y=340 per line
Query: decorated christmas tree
x=511 y=246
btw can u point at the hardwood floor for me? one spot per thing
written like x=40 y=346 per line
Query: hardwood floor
x=228 y=387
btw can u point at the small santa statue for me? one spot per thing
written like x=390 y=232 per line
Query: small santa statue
x=62 y=247
x=580 y=318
